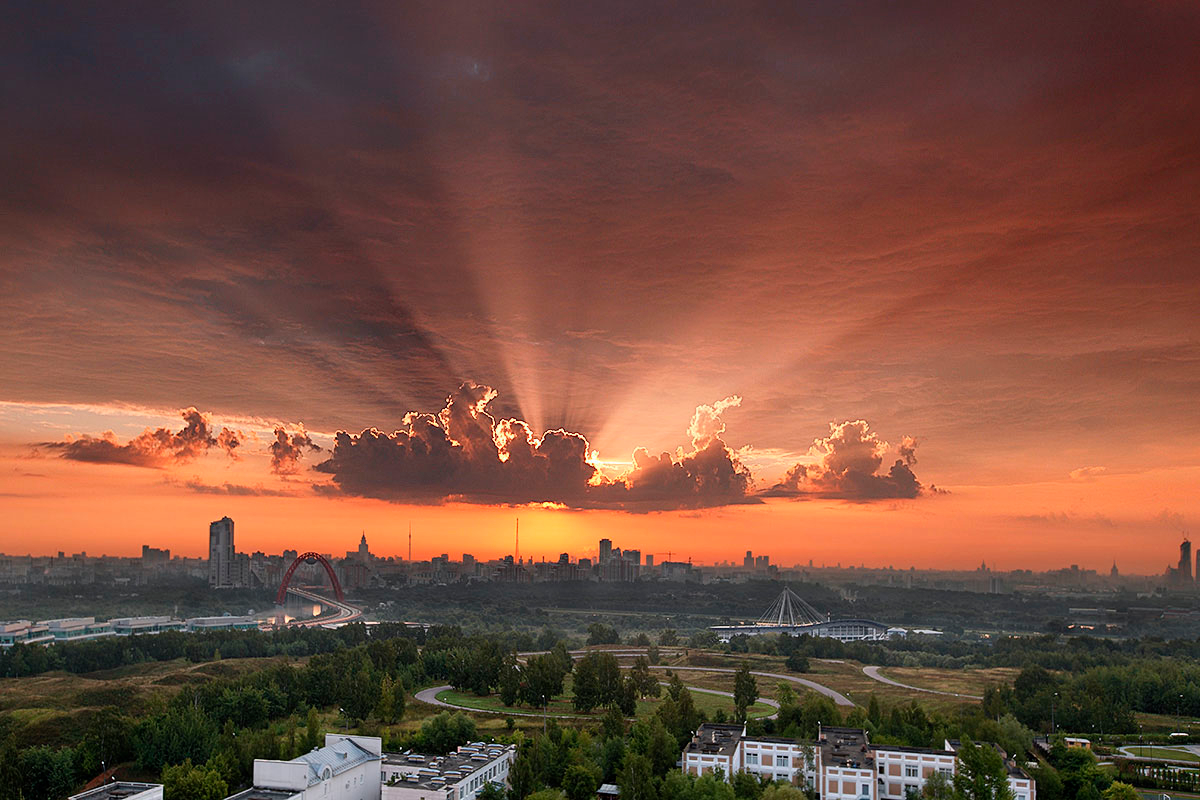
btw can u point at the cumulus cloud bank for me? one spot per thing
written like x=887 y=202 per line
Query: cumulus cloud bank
x=846 y=466
x=158 y=447
x=287 y=449
x=463 y=453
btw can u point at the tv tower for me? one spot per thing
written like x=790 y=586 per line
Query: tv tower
x=410 y=541
x=518 y=540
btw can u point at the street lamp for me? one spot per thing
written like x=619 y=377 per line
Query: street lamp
x=1053 y=726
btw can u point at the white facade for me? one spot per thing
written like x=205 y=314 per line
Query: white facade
x=346 y=768
x=841 y=765
x=779 y=760
x=902 y=769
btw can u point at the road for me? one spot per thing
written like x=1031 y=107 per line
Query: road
x=343 y=612
x=430 y=696
x=873 y=673
x=834 y=695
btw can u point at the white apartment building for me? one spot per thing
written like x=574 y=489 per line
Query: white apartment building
x=842 y=764
x=346 y=768
x=461 y=775
x=902 y=769
x=726 y=748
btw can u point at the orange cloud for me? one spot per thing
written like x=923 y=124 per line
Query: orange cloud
x=158 y=447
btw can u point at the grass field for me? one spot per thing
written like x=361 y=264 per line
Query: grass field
x=1174 y=754
x=51 y=708
x=563 y=705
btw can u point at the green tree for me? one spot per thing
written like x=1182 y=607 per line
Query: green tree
x=580 y=783
x=312 y=731
x=599 y=633
x=187 y=782
x=1121 y=791
x=444 y=732
x=636 y=780
x=490 y=791
x=48 y=772
x=781 y=791
x=668 y=638
x=745 y=690
x=938 y=787
x=746 y=786
x=661 y=748
x=391 y=702
x=797 y=662
x=981 y=774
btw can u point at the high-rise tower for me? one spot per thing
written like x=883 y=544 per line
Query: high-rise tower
x=1185 y=559
x=221 y=553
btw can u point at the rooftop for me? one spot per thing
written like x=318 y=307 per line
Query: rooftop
x=116 y=791
x=845 y=747
x=435 y=772
x=716 y=739
x=263 y=794
x=339 y=756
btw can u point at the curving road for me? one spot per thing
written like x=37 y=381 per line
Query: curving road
x=343 y=612
x=873 y=673
x=834 y=695
x=430 y=696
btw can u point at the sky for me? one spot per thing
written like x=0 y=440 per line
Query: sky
x=922 y=279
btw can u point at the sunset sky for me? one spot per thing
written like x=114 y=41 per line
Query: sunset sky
x=892 y=284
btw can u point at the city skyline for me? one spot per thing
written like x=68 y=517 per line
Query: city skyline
x=921 y=281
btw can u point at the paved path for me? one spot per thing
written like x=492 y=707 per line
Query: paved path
x=1188 y=749
x=430 y=696
x=832 y=694
x=873 y=672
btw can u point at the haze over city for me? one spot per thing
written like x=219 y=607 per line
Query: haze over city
x=769 y=279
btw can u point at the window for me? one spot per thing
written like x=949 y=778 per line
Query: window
x=751 y=758
x=910 y=771
x=881 y=769
x=866 y=790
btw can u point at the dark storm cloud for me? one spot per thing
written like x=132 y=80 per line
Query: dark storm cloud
x=465 y=454
x=847 y=464
x=287 y=449
x=158 y=447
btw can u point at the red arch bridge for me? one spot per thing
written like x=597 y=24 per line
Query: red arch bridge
x=344 y=613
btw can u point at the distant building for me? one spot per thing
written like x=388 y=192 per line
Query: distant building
x=748 y=561
x=227 y=569
x=226 y=622
x=605 y=551
x=127 y=626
